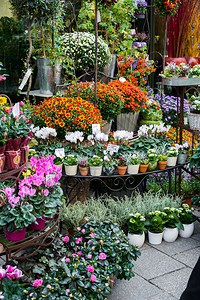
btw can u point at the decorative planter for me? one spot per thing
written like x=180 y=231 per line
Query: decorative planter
x=171 y=161
x=155 y=238
x=24 y=153
x=194 y=121
x=136 y=239
x=2 y=149
x=109 y=171
x=143 y=168
x=40 y=225
x=127 y=121
x=2 y=162
x=13 y=159
x=71 y=170
x=188 y=230
x=133 y=169
x=152 y=166
x=83 y=170
x=121 y=170
x=162 y=164
x=15 y=235
x=95 y=171
x=106 y=127
x=170 y=234
x=60 y=166
x=181 y=158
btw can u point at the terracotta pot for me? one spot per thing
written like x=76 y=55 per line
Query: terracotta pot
x=143 y=168
x=15 y=235
x=112 y=279
x=83 y=170
x=121 y=170
x=162 y=164
x=38 y=226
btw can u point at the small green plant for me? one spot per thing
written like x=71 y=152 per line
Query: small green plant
x=171 y=218
x=186 y=215
x=70 y=160
x=162 y=157
x=172 y=152
x=136 y=224
x=155 y=221
x=121 y=161
x=134 y=159
x=95 y=161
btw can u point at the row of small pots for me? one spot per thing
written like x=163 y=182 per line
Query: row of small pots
x=168 y=235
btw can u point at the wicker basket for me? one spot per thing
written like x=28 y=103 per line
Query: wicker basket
x=194 y=121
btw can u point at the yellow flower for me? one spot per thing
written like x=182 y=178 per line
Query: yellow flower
x=3 y=101
x=26 y=174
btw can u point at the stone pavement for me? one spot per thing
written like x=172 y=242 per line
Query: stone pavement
x=162 y=271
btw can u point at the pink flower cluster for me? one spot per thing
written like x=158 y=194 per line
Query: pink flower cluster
x=79 y=240
x=10 y=272
x=11 y=198
x=37 y=282
x=102 y=256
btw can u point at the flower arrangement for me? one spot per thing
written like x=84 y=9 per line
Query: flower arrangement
x=95 y=161
x=194 y=101
x=186 y=215
x=122 y=135
x=136 y=224
x=172 y=152
x=134 y=98
x=67 y=114
x=167 y=7
x=134 y=159
x=109 y=100
x=74 y=137
x=80 y=47
x=70 y=160
x=194 y=72
x=155 y=221
x=121 y=161
x=171 y=218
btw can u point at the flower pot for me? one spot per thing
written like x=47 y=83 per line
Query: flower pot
x=106 y=127
x=2 y=162
x=84 y=170
x=40 y=225
x=109 y=171
x=136 y=239
x=181 y=159
x=13 y=159
x=152 y=166
x=71 y=170
x=60 y=166
x=143 y=168
x=188 y=230
x=162 y=164
x=170 y=234
x=133 y=169
x=121 y=170
x=155 y=238
x=95 y=171
x=15 y=235
x=171 y=161
x=194 y=121
x=127 y=121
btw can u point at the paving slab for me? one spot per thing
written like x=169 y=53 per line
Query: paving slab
x=163 y=296
x=180 y=245
x=136 y=288
x=173 y=283
x=197 y=227
x=189 y=257
x=196 y=236
x=153 y=263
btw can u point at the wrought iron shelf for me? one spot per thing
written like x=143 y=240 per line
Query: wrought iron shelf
x=12 y=174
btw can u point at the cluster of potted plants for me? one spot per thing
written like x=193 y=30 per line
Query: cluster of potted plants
x=194 y=113
x=165 y=224
x=182 y=70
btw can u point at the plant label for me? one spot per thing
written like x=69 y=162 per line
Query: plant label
x=98 y=16
x=15 y=110
x=25 y=79
x=60 y=152
x=112 y=148
x=96 y=129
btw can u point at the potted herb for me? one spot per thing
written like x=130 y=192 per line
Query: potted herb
x=182 y=153
x=153 y=159
x=121 y=165
x=109 y=165
x=136 y=228
x=144 y=163
x=172 y=223
x=155 y=223
x=133 y=164
x=83 y=167
x=95 y=164
x=162 y=161
x=187 y=218
x=172 y=154
x=70 y=163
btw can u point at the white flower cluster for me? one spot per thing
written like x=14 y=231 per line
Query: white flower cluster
x=74 y=137
x=123 y=135
x=98 y=137
x=153 y=130
x=44 y=133
x=182 y=147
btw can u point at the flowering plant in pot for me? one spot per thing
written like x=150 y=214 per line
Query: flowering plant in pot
x=183 y=151
x=183 y=70
x=133 y=162
x=144 y=162
x=172 y=154
x=187 y=218
x=9 y=286
x=153 y=159
x=136 y=228
x=171 y=70
x=95 y=164
x=83 y=166
x=172 y=223
x=141 y=7
x=109 y=164
x=70 y=162
x=121 y=165
x=155 y=223
x=194 y=72
x=167 y=7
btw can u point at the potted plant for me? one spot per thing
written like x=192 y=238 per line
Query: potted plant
x=83 y=167
x=144 y=163
x=171 y=70
x=109 y=165
x=141 y=6
x=182 y=153
x=136 y=229
x=133 y=164
x=172 y=223
x=153 y=159
x=172 y=154
x=121 y=165
x=58 y=161
x=194 y=72
x=70 y=163
x=194 y=114
x=187 y=218
x=95 y=164
x=183 y=70
x=162 y=161
x=155 y=223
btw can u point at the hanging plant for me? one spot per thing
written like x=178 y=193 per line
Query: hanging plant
x=167 y=7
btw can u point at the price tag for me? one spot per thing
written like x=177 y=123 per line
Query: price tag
x=25 y=79
x=49 y=176
x=60 y=152
x=96 y=128
x=15 y=110
x=98 y=16
x=112 y=148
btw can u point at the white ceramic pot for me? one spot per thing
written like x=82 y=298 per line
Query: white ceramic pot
x=71 y=170
x=170 y=234
x=60 y=166
x=155 y=238
x=136 y=239
x=133 y=169
x=171 y=161
x=188 y=230
x=181 y=158
x=95 y=171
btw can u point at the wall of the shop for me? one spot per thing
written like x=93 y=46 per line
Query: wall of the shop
x=5 y=8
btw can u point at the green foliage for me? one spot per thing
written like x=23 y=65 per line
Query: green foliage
x=195 y=158
x=11 y=290
x=136 y=224
x=144 y=144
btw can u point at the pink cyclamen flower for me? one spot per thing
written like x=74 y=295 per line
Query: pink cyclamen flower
x=90 y=269
x=67 y=259
x=10 y=269
x=93 y=247
x=93 y=278
x=102 y=256
x=83 y=230
x=21 y=103
x=89 y=256
x=79 y=240
x=37 y=282
x=2 y=273
x=79 y=252
x=89 y=241
x=49 y=286
x=18 y=273
x=46 y=192
x=66 y=239
x=74 y=255
x=92 y=235
x=67 y=290
x=4 y=118
x=78 y=228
